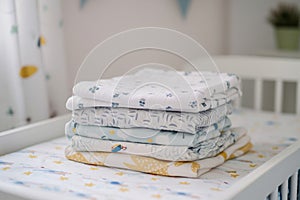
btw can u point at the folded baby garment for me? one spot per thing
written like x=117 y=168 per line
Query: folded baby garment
x=154 y=119
x=77 y=102
x=160 y=167
x=148 y=136
x=159 y=90
x=204 y=149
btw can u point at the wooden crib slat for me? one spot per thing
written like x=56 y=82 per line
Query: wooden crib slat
x=257 y=94
x=274 y=194
x=278 y=96
x=284 y=190
x=294 y=182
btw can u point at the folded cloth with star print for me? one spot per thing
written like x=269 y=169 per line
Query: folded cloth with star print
x=159 y=90
x=204 y=149
x=147 y=135
x=151 y=165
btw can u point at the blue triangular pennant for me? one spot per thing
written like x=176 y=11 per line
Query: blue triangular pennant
x=184 y=5
x=82 y=3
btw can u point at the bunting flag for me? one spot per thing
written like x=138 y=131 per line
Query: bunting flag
x=82 y=3
x=184 y=5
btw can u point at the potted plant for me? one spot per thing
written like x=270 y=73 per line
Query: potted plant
x=285 y=19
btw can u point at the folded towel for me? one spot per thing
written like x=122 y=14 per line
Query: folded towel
x=161 y=120
x=205 y=149
x=145 y=135
x=154 y=166
x=158 y=90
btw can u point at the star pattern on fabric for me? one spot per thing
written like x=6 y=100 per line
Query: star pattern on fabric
x=27 y=173
x=252 y=165
x=120 y=173
x=184 y=183
x=124 y=189
x=260 y=156
x=57 y=162
x=234 y=174
x=89 y=184
x=216 y=189
x=32 y=156
x=63 y=178
x=5 y=168
x=157 y=196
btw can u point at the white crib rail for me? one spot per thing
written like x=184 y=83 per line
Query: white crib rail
x=288 y=189
x=32 y=134
x=255 y=68
x=264 y=182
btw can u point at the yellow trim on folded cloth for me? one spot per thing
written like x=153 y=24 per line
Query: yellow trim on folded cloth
x=241 y=150
x=160 y=167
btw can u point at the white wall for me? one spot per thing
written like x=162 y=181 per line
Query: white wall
x=100 y=19
x=249 y=31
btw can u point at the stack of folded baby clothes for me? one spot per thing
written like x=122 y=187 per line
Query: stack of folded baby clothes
x=160 y=122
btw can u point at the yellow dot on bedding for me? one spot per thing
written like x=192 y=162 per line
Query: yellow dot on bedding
x=27 y=173
x=74 y=130
x=234 y=175
x=63 y=178
x=57 y=162
x=123 y=189
x=5 y=168
x=58 y=148
x=157 y=196
x=94 y=168
x=260 y=156
x=216 y=189
x=32 y=156
x=184 y=183
x=150 y=140
x=252 y=165
x=120 y=173
x=154 y=179
x=27 y=71
x=89 y=184
x=112 y=132
x=275 y=147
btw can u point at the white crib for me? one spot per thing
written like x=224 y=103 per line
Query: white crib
x=264 y=182
x=282 y=170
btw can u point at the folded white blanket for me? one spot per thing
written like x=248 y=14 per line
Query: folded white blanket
x=146 y=135
x=160 y=167
x=158 y=90
x=153 y=119
x=204 y=149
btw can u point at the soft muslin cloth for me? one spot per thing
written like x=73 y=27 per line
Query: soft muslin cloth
x=159 y=90
x=145 y=135
x=160 y=167
x=205 y=149
x=161 y=120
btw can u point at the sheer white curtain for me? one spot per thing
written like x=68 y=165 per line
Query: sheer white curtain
x=32 y=64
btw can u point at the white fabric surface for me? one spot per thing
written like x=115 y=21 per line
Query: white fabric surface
x=159 y=90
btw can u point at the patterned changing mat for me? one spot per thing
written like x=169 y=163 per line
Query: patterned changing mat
x=42 y=169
